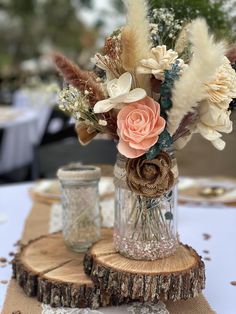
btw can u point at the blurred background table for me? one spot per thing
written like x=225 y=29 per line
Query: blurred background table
x=209 y=229
x=18 y=135
x=38 y=100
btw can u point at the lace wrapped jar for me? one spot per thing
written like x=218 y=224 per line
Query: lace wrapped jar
x=80 y=202
x=145 y=227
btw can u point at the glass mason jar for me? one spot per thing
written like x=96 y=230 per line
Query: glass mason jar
x=145 y=228
x=80 y=201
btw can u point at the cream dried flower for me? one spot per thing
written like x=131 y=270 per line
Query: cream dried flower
x=222 y=89
x=103 y=62
x=120 y=93
x=162 y=60
x=213 y=113
x=212 y=121
x=214 y=116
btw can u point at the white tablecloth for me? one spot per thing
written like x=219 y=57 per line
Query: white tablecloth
x=19 y=137
x=40 y=101
x=15 y=205
x=22 y=133
x=194 y=221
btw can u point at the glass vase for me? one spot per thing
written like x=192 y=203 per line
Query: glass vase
x=145 y=228
x=80 y=201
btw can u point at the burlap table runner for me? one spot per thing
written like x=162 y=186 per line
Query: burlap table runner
x=36 y=225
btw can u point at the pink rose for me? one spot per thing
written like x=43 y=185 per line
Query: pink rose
x=139 y=125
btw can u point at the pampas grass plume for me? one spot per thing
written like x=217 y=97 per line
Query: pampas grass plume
x=135 y=35
x=82 y=80
x=189 y=90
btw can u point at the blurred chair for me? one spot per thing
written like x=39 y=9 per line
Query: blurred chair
x=60 y=146
x=57 y=128
x=1 y=137
x=16 y=175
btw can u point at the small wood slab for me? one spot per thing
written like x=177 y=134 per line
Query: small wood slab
x=47 y=269
x=180 y=276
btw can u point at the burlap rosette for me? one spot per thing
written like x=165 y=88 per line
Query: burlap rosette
x=149 y=178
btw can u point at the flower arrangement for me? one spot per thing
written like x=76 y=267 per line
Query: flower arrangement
x=146 y=89
x=156 y=83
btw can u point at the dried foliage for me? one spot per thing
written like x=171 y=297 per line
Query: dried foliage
x=189 y=90
x=83 y=80
x=135 y=38
x=85 y=134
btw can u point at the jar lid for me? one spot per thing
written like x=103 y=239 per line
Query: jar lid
x=79 y=172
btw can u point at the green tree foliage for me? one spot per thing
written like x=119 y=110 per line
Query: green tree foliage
x=216 y=12
x=31 y=25
x=118 y=5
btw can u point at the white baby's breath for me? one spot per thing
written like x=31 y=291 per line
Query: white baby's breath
x=71 y=100
x=102 y=122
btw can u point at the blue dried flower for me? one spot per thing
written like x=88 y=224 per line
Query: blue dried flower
x=164 y=142
x=166 y=88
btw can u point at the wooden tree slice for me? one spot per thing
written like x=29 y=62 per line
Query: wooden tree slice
x=181 y=276
x=47 y=269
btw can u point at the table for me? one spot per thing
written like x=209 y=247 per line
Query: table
x=15 y=204
x=19 y=138
x=32 y=110
x=40 y=100
x=194 y=221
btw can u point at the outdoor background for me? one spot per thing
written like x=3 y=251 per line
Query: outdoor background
x=30 y=30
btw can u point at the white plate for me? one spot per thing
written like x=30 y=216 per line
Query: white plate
x=190 y=190
x=47 y=189
x=51 y=188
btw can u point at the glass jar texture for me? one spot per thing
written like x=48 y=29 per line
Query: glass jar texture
x=81 y=215
x=145 y=228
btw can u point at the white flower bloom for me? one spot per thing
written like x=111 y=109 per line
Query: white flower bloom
x=211 y=135
x=212 y=121
x=222 y=88
x=120 y=93
x=214 y=116
x=161 y=61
